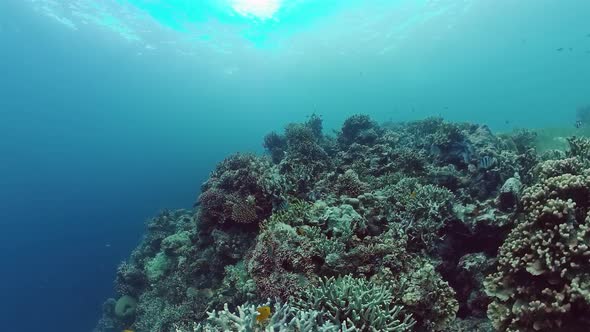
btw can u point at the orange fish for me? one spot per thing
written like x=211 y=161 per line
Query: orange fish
x=263 y=314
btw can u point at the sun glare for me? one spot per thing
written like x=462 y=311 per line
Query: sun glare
x=260 y=9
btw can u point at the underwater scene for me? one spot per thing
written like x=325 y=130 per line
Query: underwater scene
x=295 y=165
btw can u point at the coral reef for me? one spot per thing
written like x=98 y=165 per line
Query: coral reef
x=542 y=280
x=243 y=189
x=284 y=318
x=419 y=226
x=361 y=303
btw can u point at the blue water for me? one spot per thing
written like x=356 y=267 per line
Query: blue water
x=102 y=126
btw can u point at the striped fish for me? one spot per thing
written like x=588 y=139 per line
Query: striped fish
x=487 y=162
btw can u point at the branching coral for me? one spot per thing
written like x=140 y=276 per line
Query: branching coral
x=552 y=168
x=284 y=318
x=543 y=278
x=366 y=256
x=366 y=305
x=420 y=209
x=237 y=281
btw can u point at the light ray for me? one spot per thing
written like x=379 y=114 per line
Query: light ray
x=260 y=9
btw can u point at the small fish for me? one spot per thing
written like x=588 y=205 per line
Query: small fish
x=413 y=194
x=559 y=49
x=127 y=330
x=263 y=314
x=579 y=124
x=487 y=162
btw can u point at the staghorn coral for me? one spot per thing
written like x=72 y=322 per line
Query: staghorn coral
x=284 y=318
x=421 y=210
x=362 y=303
x=542 y=281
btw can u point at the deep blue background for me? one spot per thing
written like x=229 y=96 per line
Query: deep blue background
x=92 y=143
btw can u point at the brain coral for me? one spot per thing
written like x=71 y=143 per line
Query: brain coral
x=542 y=281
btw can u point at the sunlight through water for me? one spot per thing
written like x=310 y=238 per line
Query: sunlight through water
x=225 y=26
x=260 y=9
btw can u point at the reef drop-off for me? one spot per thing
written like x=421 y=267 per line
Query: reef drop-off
x=418 y=226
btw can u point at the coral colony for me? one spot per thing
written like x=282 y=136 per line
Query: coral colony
x=419 y=226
